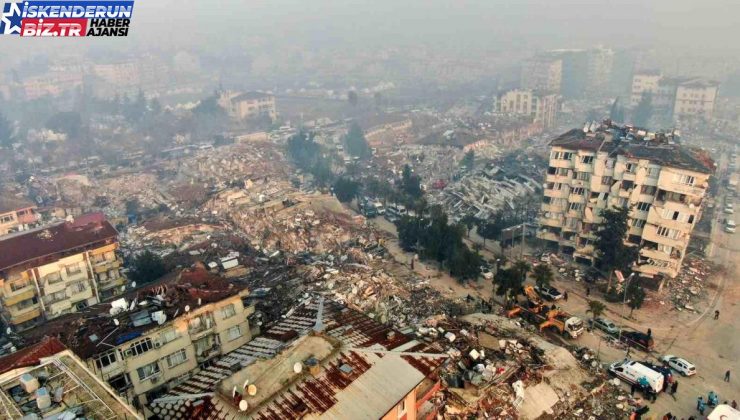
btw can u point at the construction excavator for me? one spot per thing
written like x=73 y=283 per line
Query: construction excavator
x=535 y=304
x=563 y=322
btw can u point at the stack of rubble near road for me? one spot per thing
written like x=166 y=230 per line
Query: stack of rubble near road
x=690 y=287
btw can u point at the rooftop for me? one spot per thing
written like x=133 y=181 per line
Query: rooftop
x=352 y=357
x=67 y=237
x=49 y=381
x=8 y=204
x=84 y=332
x=248 y=96
x=637 y=143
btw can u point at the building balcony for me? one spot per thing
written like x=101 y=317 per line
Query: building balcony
x=653 y=270
x=21 y=294
x=552 y=222
x=105 y=266
x=560 y=163
x=565 y=179
x=14 y=311
x=656 y=255
x=557 y=193
x=111 y=282
x=553 y=208
x=26 y=316
x=548 y=236
x=650 y=233
x=689 y=190
x=575 y=198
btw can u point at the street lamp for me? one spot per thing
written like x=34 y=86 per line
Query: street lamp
x=624 y=303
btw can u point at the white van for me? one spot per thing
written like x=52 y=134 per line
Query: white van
x=632 y=371
x=730 y=226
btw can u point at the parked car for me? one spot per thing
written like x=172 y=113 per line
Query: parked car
x=549 y=293
x=604 y=325
x=729 y=209
x=680 y=365
x=637 y=340
x=730 y=226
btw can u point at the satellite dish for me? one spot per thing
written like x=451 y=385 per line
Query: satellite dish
x=252 y=390
x=233 y=392
x=199 y=300
x=187 y=308
x=116 y=322
x=133 y=284
x=245 y=384
x=8 y=330
x=243 y=405
x=297 y=367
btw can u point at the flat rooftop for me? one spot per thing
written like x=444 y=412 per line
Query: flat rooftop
x=51 y=367
x=58 y=240
x=637 y=143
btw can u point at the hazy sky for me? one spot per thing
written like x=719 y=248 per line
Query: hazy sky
x=698 y=25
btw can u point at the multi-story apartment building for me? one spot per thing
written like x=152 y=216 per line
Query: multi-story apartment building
x=541 y=106
x=542 y=72
x=148 y=341
x=50 y=271
x=248 y=105
x=681 y=97
x=662 y=183
x=16 y=215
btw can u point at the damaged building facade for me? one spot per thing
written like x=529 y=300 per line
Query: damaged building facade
x=143 y=341
x=541 y=106
x=602 y=166
x=51 y=271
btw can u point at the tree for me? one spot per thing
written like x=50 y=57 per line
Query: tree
x=468 y=160
x=345 y=189
x=644 y=110
x=508 y=283
x=147 y=267
x=635 y=297
x=596 y=308
x=521 y=268
x=469 y=222
x=610 y=247
x=6 y=132
x=542 y=274
x=356 y=142
x=410 y=182
x=352 y=97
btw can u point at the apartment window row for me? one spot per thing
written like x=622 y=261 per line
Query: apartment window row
x=228 y=311
x=140 y=347
x=577 y=190
x=684 y=179
x=557 y=171
x=106 y=359
x=638 y=223
x=587 y=160
x=606 y=180
x=562 y=155
x=234 y=332
x=6 y=219
x=642 y=206
x=177 y=358
x=19 y=285
x=630 y=168
x=576 y=206
x=168 y=335
x=582 y=176
x=677 y=216
x=653 y=171
x=648 y=190
x=668 y=233
x=147 y=371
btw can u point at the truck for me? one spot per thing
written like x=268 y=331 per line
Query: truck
x=535 y=305
x=632 y=372
x=563 y=322
x=637 y=340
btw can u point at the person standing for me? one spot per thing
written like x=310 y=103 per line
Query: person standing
x=699 y=402
x=588 y=291
x=727 y=376
x=716 y=314
x=565 y=295
x=674 y=388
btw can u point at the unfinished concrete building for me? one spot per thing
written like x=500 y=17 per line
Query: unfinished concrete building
x=602 y=166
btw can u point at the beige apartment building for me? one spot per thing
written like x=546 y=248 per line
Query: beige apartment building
x=541 y=106
x=682 y=97
x=543 y=73
x=148 y=341
x=661 y=182
x=248 y=105
x=16 y=215
x=51 y=271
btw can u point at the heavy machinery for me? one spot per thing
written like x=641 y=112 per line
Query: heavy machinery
x=535 y=304
x=564 y=322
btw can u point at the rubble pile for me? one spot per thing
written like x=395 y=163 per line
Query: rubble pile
x=234 y=162
x=690 y=287
x=608 y=400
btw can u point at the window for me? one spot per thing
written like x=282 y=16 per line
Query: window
x=201 y=323
x=668 y=233
x=684 y=179
x=53 y=278
x=606 y=180
x=228 y=311
x=27 y=303
x=168 y=335
x=147 y=371
x=575 y=206
x=691 y=219
x=630 y=168
x=106 y=359
x=77 y=287
x=73 y=269
x=622 y=202
x=563 y=171
x=55 y=297
x=402 y=408
x=19 y=285
x=638 y=223
x=140 y=347
x=561 y=155
x=648 y=190
x=643 y=206
x=120 y=382
x=177 y=358
x=665 y=249
x=583 y=176
x=577 y=191
x=587 y=159
x=552 y=170
x=234 y=332
x=627 y=185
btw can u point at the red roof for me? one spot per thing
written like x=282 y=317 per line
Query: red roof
x=62 y=238
x=30 y=356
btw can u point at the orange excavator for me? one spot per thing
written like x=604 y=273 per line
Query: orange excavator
x=563 y=322
x=535 y=304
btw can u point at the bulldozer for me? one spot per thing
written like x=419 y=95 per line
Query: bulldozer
x=563 y=322
x=535 y=304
